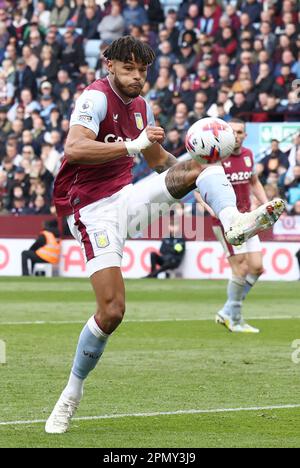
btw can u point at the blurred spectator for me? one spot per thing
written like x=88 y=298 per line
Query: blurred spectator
x=63 y=81
x=25 y=78
x=60 y=13
x=208 y=24
x=35 y=41
x=65 y=102
x=47 y=105
x=26 y=8
x=43 y=14
x=19 y=207
x=134 y=14
x=265 y=81
x=155 y=13
x=18 y=25
x=4 y=36
x=112 y=26
x=187 y=56
x=291 y=107
x=240 y=105
x=267 y=37
x=253 y=9
x=72 y=55
x=31 y=60
x=48 y=66
x=293 y=187
x=275 y=162
x=6 y=92
x=40 y=206
x=77 y=13
x=227 y=43
x=51 y=159
x=90 y=22
x=45 y=249
x=174 y=144
x=53 y=41
x=222 y=98
x=171 y=254
x=197 y=113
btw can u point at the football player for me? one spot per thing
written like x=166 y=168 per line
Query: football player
x=111 y=122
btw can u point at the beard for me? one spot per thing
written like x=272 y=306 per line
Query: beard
x=128 y=92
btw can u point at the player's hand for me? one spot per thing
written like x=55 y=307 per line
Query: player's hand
x=155 y=134
x=146 y=139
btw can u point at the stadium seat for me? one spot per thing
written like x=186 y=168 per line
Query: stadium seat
x=91 y=51
x=42 y=269
x=170 y=4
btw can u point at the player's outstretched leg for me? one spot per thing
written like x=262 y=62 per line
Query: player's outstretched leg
x=109 y=288
x=218 y=193
x=247 y=225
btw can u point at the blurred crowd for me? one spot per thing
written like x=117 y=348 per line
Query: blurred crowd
x=218 y=58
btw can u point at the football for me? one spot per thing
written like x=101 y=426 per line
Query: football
x=210 y=140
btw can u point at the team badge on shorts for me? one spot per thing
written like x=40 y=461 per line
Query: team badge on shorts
x=101 y=239
x=248 y=161
x=139 y=120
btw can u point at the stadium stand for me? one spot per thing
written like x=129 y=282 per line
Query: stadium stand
x=221 y=58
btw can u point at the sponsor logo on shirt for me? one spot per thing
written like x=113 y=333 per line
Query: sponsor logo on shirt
x=111 y=137
x=239 y=176
x=86 y=106
x=85 y=118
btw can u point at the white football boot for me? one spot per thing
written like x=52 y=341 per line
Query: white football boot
x=233 y=326
x=60 y=418
x=248 y=225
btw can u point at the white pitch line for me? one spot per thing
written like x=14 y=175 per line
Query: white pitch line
x=160 y=413
x=201 y=319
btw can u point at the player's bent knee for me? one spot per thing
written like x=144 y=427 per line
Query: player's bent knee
x=257 y=271
x=240 y=268
x=112 y=311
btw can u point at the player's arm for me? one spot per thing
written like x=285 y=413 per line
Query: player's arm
x=158 y=158
x=82 y=148
x=258 y=190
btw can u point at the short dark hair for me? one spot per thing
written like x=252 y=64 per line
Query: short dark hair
x=126 y=48
x=236 y=120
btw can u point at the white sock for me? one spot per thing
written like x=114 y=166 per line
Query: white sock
x=74 y=388
x=227 y=216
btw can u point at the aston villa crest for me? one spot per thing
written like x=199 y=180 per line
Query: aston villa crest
x=248 y=161
x=101 y=239
x=139 y=120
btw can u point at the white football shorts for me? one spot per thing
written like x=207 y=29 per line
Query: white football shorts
x=101 y=228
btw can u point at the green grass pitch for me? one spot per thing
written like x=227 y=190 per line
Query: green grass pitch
x=168 y=356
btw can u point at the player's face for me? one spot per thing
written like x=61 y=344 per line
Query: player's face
x=240 y=134
x=129 y=77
